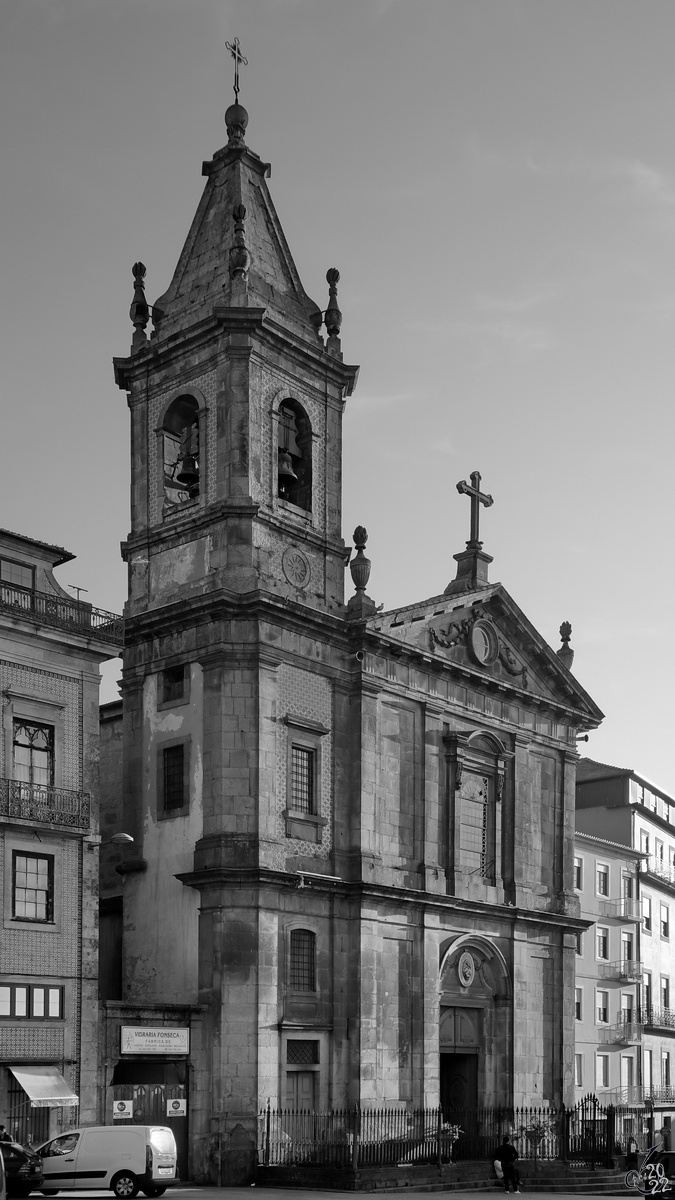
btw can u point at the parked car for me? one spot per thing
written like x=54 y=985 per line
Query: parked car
x=23 y=1169
x=123 y=1157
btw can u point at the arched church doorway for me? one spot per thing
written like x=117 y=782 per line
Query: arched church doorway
x=459 y=1047
x=474 y=1026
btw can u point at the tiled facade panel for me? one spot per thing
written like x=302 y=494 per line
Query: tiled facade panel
x=57 y=689
x=42 y=951
x=30 y=1040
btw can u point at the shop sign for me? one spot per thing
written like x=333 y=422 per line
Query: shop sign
x=176 y=1108
x=122 y=1109
x=154 y=1041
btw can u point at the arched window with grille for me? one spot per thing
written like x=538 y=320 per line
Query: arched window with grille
x=182 y=451
x=294 y=470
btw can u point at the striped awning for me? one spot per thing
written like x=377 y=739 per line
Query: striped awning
x=45 y=1086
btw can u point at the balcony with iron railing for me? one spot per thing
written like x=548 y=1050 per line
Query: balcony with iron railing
x=623 y=909
x=625 y=1032
x=662 y=1017
x=623 y=968
x=43 y=805
x=631 y=1093
x=60 y=612
x=660 y=868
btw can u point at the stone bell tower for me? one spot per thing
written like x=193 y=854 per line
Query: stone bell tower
x=234 y=622
x=236 y=402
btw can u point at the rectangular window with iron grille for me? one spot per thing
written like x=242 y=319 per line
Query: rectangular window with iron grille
x=174 y=789
x=302 y=779
x=302 y=961
x=32 y=887
x=300 y=1052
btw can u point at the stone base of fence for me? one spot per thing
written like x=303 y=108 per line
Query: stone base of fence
x=465 y=1176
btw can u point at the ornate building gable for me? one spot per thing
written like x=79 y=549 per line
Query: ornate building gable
x=477 y=631
x=484 y=635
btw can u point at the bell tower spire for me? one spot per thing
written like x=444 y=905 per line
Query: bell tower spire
x=237 y=403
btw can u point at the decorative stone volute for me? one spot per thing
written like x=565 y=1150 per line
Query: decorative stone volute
x=139 y=311
x=360 y=605
x=566 y=653
x=240 y=259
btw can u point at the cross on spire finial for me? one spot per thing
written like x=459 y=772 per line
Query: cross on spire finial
x=477 y=498
x=235 y=50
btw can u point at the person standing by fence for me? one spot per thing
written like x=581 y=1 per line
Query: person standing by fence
x=507 y=1156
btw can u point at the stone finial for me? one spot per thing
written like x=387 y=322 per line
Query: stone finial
x=139 y=311
x=360 y=605
x=333 y=315
x=240 y=259
x=566 y=653
x=236 y=120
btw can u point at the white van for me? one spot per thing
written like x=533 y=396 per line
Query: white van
x=125 y=1158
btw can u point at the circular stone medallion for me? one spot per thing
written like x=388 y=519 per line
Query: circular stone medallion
x=466 y=969
x=483 y=642
x=296 y=567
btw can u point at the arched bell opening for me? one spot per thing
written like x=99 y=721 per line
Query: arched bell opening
x=474 y=1027
x=294 y=455
x=181 y=450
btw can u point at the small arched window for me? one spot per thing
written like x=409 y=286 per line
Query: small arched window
x=181 y=451
x=302 y=961
x=295 y=455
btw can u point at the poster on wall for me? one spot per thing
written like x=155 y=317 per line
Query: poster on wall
x=176 y=1108
x=122 y=1109
x=162 y=1040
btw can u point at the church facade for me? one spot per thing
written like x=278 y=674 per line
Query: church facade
x=351 y=879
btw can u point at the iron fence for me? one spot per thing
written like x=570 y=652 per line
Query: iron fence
x=588 y=1135
x=74 y=616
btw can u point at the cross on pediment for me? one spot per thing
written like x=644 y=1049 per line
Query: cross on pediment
x=477 y=498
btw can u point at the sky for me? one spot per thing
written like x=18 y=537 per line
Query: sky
x=494 y=179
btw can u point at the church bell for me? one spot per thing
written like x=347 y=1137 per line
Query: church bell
x=188 y=474
x=286 y=473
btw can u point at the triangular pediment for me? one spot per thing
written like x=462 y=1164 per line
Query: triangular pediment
x=485 y=635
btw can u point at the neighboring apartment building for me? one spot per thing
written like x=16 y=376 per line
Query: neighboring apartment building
x=50 y=650
x=619 y=804
x=607 y=999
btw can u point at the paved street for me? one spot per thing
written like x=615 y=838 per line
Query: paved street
x=243 y=1193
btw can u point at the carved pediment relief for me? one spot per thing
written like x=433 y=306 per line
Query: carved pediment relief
x=475 y=637
x=488 y=636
